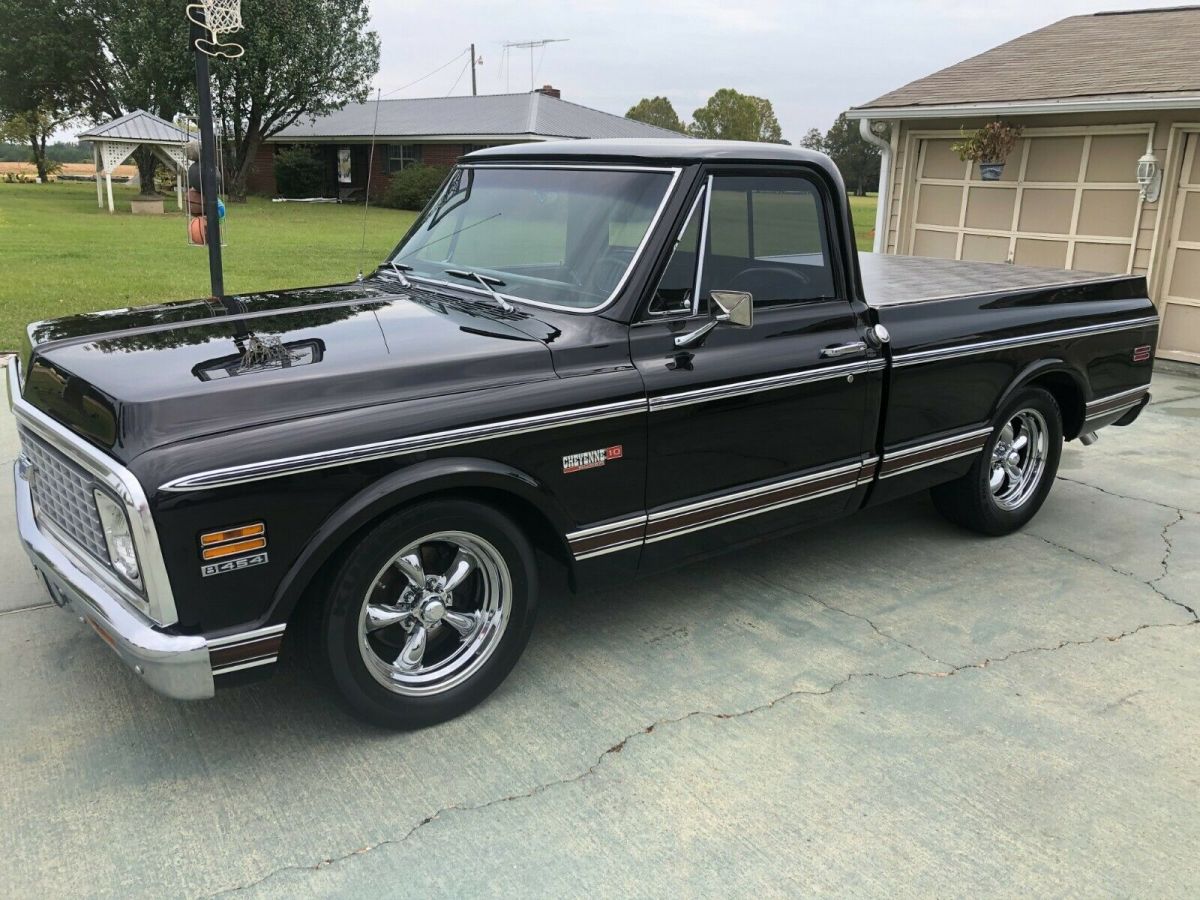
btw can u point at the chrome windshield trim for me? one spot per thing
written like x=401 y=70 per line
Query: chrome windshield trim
x=651 y=227
x=344 y=456
x=160 y=601
x=768 y=383
x=702 y=251
x=1108 y=398
x=923 y=356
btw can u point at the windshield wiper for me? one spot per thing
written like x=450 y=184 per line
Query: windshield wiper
x=487 y=281
x=400 y=269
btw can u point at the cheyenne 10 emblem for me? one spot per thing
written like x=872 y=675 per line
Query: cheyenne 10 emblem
x=591 y=459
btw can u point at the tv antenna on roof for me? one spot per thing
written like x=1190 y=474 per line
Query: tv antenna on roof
x=531 y=46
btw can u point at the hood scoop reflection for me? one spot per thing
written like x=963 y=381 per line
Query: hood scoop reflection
x=257 y=354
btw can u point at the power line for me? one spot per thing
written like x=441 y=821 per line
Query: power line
x=445 y=65
x=461 y=73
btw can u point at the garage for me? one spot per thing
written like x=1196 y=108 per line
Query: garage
x=1181 y=295
x=1097 y=112
x=1067 y=198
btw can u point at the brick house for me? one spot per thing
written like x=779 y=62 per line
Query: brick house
x=434 y=131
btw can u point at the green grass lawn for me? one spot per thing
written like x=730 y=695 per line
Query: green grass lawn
x=60 y=254
x=863 y=211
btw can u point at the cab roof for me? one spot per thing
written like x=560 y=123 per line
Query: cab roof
x=650 y=151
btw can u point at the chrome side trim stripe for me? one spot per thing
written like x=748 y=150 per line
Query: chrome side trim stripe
x=769 y=383
x=246 y=650
x=923 y=356
x=1133 y=394
x=291 y=465
x=933 y=453
x=632 y=532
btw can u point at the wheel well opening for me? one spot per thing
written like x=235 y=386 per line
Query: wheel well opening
x=537 y=527
x=1069 y=396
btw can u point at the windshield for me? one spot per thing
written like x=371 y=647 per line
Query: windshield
x=564 y=237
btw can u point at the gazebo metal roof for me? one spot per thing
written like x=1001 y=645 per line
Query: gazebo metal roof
x=137 y=127
x=115 y=141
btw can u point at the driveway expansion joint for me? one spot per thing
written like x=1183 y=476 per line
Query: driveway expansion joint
x=648 y=730
x=1096 y=487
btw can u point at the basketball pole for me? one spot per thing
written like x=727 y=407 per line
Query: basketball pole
x=208 y=163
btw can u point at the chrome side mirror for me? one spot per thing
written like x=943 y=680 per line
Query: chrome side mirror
x=737 y=308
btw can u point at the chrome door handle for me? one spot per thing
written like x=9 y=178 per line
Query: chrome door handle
x=837 y=350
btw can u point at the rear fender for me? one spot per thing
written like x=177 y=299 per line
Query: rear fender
x=1060 y=379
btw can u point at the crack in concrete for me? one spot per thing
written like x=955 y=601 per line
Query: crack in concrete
x=647 y=730
x=1151 y=583
x=837 y=609
x=1096 y=487
x=21 y=609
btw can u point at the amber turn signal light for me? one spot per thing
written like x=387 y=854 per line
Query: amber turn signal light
x=232 y=534
x=233 y=549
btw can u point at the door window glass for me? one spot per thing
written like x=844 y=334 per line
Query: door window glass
x=675 y=292
x=767 y=236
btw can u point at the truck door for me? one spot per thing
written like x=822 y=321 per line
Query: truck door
x=753 y=430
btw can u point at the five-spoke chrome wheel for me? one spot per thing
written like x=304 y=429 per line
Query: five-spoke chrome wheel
x=1018 y=459
x=435 y=613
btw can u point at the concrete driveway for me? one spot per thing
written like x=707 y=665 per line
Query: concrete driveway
x=887 y=706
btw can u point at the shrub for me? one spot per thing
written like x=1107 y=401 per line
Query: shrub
x=413 y=187
x=299 y=173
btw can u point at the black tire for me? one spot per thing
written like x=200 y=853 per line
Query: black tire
x=969 y=501
x=337 y=627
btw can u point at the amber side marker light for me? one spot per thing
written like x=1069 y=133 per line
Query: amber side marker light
x=232 y=541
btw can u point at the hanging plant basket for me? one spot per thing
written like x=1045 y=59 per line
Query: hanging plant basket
x=989 y=146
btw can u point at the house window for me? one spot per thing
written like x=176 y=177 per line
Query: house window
x=401 y=156
x=471 y=148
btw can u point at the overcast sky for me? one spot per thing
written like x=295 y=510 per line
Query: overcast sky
x=812 y=60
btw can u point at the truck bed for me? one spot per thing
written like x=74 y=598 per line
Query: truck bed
x=897 y=280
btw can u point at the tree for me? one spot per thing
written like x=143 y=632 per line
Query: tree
x=37 y=57
x=857 y=160
x=656 y=111
x=729 y=115
x=813 y=140
x=33 y=129
x=303 y=58
x=131 y=56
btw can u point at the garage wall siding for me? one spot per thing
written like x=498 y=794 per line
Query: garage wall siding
x=1052 y=160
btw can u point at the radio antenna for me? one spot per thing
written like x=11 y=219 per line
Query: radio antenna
x=362 y=250
x=531 y=46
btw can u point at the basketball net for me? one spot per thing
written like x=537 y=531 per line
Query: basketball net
x=217 y=17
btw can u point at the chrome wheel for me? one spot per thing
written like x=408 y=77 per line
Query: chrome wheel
x=1019 y=459
x=435 y=613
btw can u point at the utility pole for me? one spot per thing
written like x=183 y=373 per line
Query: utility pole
x=208 y=161
x=474 y=92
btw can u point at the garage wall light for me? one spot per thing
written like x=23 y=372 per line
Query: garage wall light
x=1149 y=176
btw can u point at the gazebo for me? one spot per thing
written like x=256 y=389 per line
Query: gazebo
x=114 y=142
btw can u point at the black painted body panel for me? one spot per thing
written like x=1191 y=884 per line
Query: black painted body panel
x=377 y=362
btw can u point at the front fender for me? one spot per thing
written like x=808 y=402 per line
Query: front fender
x=406 y=486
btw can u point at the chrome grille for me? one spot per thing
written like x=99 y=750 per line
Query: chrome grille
x=62 y=495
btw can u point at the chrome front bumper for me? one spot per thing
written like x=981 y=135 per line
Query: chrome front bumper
x=175 y=665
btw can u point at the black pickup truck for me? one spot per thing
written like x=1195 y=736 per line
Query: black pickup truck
x=604 y=356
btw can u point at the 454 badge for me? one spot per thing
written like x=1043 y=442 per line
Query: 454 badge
x=591 y=459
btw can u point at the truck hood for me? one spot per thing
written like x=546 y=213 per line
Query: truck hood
x=130 y=380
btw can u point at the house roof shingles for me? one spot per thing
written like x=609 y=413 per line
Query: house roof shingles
x=139 y=126
x=493 y=115
x=1155 y=53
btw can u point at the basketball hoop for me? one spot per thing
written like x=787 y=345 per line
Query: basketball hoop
x=217 y=17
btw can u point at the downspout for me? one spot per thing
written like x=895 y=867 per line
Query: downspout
x=885 y=170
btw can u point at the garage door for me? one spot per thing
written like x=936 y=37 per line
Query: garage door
x=1180 y=334
x=1066 y=199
